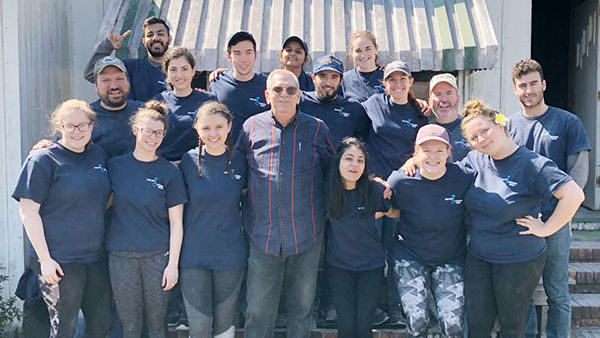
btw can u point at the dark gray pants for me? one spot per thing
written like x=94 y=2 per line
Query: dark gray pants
x=136 y=278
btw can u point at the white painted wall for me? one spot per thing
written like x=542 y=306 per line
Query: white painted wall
x=512 y=23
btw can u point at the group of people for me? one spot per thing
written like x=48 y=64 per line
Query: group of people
x=158 y=184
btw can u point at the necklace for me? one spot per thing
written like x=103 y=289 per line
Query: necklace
x=363 y=79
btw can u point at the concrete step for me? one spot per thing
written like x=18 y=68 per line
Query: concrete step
x=585 y=310
x=586 y=220
x=585 y=332
x=585 y=251
x=586 y=276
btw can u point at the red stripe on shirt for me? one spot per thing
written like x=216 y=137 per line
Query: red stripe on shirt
x=312 y=178
x=270 y=180
x=292 y=206
x=251 y=181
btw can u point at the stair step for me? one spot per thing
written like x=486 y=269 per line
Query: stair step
x=586 y=276
x=585 y=332
x=585 y=251
x=586 y=220
x=585 y=310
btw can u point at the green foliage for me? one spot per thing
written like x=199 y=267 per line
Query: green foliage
x=8 y=309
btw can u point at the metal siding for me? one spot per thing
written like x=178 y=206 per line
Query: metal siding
x=428 y=34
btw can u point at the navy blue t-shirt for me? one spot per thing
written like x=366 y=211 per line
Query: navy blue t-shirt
x=432 y=216
x=359 y=86
x=244 y=99
x=393 y=132
x=111 y=130
x=556 y=134
x=72 y=190
x=306 y=82
x=181 y=135
x=353 y=241
x=503 y=191
x=143 y=193
x=147 y=79
x=343 y=117
x=460 y=146
x=212 y=220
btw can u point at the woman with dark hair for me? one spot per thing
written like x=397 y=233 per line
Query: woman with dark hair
x=213 y=255
x=354 y=253
x=62 y=191
x=294 y=55
x=145 y=233
x=183 y=101
x=507 y=250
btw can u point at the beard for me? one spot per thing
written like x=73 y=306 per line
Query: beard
x=116 y=102
x=156 y=52
x=324 y=96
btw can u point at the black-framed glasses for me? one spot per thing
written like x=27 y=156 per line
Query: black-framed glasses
x=81 y=127
x=288 y=90
x=149 y=132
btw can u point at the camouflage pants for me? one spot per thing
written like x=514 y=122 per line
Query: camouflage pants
x=418 y=282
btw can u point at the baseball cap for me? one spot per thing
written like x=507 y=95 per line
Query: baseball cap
x=432 y=132
x=396 y=66
x=328 y=62
x=108 y=61
x=240 y=36
x=297 y=39
x=445 y=77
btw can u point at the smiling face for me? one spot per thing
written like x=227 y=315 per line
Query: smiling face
x=432 y=156
x=352 y=166
x=444 y=101
x=180 y=73
x=282 y=104
x=485 y=136
x=327 y=83
x=156 y=39
x=529 y=89
x=242 y=57
x=112 y=87
x=364 y=54
x=213 y=130
x=76 y=130
x=148 y=143
x=397 y=85
x=292 y=56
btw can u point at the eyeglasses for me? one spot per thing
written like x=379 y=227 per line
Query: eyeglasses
x=81 y=127
x=149 y=132
x=288 y=90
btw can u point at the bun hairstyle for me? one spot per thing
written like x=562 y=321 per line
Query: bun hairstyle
x=476 y=108
x=174 y=53
x=153 y=109
x=215 y=108
x=66 y=107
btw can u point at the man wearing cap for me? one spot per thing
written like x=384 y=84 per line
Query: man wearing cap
x=343 y=117
x=241 y=89
x=558 y=135
x=113 y=110
x=288 y=153
x=444 y=100
x=145 y=74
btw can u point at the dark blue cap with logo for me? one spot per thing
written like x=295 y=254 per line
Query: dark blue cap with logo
x=328 y=62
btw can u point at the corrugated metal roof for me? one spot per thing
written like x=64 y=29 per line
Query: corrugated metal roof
x=429 y=34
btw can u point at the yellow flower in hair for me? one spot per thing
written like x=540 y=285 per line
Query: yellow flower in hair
x=500 y=119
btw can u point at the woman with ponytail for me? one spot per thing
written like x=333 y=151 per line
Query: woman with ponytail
x=507 y=250
x=213 y=256
x=145 y=234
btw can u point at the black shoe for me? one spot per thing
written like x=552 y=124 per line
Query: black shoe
x=380 y=317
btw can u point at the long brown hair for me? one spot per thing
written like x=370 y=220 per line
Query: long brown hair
x=214 y=108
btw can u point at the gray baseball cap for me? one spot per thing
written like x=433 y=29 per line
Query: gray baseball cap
x=445 y=77
x=396 y=66
x=108 y=61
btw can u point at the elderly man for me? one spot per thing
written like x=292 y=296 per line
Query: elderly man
x=288 y=153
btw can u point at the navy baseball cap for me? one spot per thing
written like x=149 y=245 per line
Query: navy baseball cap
x=328 y=62
x=240 y=36
x=295 y=38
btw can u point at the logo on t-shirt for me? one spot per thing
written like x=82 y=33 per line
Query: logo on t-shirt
x=233 y=174
x=546 y=133
x=452 y=199
x=409 y=123
x=380 y=88
x=508 y=182
x=100 y=167
x=257 y=102
x=340 y=112
x=154 y=181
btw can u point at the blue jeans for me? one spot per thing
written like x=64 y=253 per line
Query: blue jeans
x=266 y=275
x=556 y=285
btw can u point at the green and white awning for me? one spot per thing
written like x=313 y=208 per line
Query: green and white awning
x=439 y=35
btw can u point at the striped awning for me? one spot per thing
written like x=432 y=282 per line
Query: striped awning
x=440 y=35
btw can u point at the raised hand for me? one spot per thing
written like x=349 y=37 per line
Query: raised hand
x=115 y=39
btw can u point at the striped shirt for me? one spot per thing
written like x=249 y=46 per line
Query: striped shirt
x=287 y=167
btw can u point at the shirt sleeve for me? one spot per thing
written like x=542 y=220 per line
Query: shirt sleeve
x=549 y=179
x=324 y=147
x=104 y=48
x=577 y=140
x=382 y=204
x=176 y=190
x=34 y=180
x=363 y=124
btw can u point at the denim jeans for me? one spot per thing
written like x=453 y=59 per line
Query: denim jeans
x=556 y=285
x=266 y=275
x=387 y=228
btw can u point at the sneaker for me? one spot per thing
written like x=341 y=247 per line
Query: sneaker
x=380 y=317
x=329 y=313
x=397 y=319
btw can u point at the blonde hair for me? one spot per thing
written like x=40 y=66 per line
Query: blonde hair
x=58 y=115
x=363 y=34
x=476 y=108
x=153 y=109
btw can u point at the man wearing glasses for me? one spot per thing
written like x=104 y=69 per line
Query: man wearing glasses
x=287 y=153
